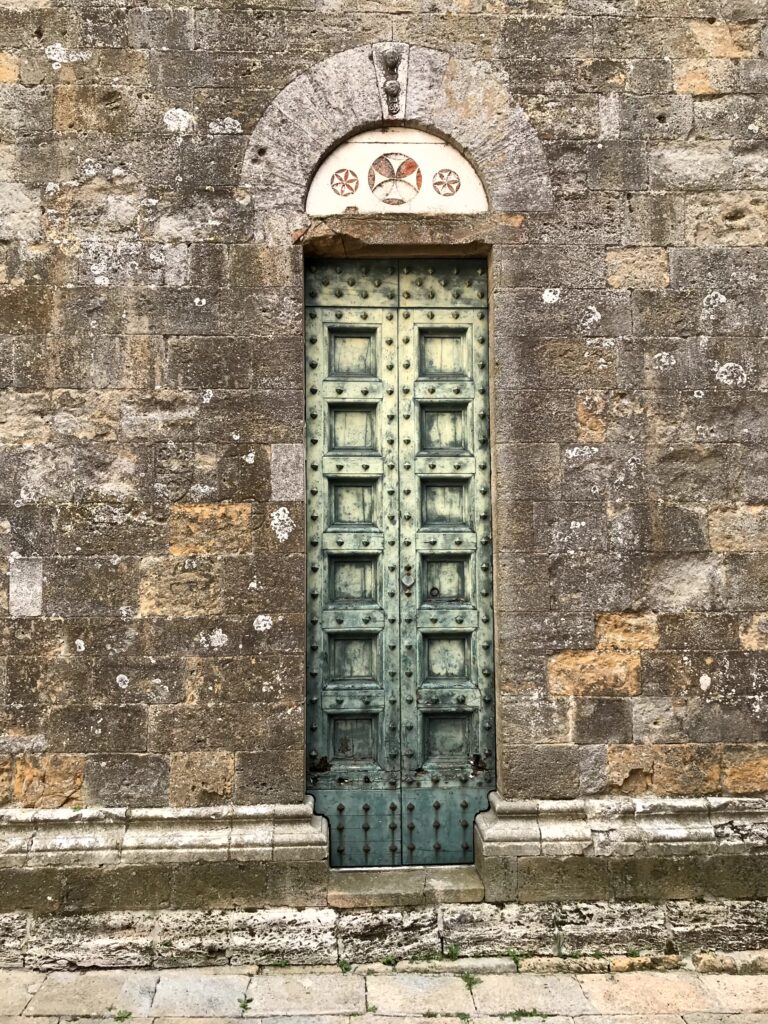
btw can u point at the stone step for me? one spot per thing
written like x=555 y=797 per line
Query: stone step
x=362 y=888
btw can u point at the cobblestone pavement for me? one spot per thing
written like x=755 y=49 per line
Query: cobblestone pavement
x=379 y=995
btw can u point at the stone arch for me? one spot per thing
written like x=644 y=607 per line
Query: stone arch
x=466 y=102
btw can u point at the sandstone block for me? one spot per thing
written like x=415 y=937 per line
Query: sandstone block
x=201 y=779
x=656 y=117
x=618 y=166
x=686 y=769
x=739 y=529
x=593 y=674
x=745 y=769
x=754 y=633
x=637 y=268
x=178 y=586
x=210 y=529
x=702 y=631
x=727 y=218
x=203 y=363
x=602 y=720
x=699 y=77
x=48 y=780
x=25 y=594
x=257 y=781
x=627 y=631
x=9 y=67
x=20 y=211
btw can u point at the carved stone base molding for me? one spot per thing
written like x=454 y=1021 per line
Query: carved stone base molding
x=148 y=858
x=245 y=858
x=119 y=835
x=623 y=848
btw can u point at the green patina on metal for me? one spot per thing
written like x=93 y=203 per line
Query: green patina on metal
x=400 y=634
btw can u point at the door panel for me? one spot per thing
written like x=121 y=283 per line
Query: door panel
x=400 y=684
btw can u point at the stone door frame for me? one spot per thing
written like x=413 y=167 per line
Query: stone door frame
x=390 y=84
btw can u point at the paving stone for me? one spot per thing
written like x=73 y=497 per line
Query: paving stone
x=418 y=993
x=95 y=992
x=740 y=994
x=725 y=1018
x=47 y=1020
x=193 y=994
x=549 y=995
x=109 y=1019
x=646 y=992
x=474 y=965
x=16 y=988
x=647 y=1018
x=378 y=1018
x=309 y=994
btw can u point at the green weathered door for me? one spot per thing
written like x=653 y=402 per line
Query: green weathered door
x=400 y=638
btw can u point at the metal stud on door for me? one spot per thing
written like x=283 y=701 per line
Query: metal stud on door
x=400 y=685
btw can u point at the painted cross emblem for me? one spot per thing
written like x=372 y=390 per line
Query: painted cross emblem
x=344 y=182
x=394 y=178
x=446 y=182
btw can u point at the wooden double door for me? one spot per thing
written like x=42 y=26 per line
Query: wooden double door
x=400 y=693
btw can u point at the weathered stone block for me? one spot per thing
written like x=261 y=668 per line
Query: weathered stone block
x=178 y=586
x=247 y=885
x=210 y=529
x=547 y=771
x=727 y=218
x=594 y=674
x=77 y=941
x=128 y=780
x=257 y=781
x=745 y=769
x=602 y=721
x=686 y=769
x=201 y=779
x=637 y=268
x=739 y=529
x=372 y=935
x=48 y=780
x=704 y=77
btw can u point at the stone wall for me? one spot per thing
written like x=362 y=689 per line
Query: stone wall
x=151 y=359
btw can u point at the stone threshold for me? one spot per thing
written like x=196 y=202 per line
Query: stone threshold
x=404 y=887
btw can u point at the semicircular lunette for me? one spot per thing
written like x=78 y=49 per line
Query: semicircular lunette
x=395 y=170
